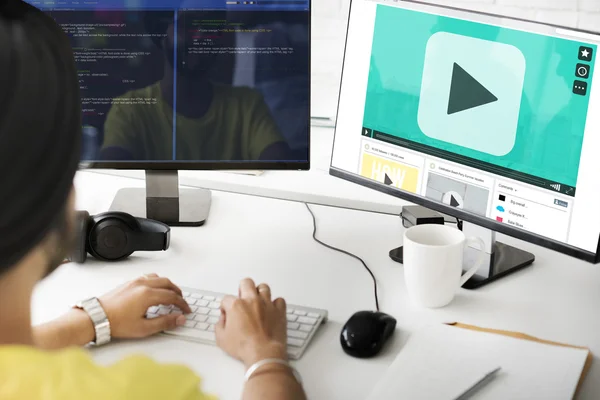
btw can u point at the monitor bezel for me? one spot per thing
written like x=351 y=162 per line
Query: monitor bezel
x=214 y=165
x=201 y=165
x=485 y=222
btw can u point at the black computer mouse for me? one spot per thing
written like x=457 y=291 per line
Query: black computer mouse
x=366 y=332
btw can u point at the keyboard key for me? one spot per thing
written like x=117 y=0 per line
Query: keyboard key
x=293 y=325
x=200 y=318
x=190 y=324
x=307 y=320
x=201 y=326
x=295 y=342
x=300 y=312
x=215 y=313
x=152 y=310
x=193 y=333
x=213 y=320
x=292 y=318
x=218 y=298
x=194 y=308
x=294 y=352
x=313 y=315
x=297 y=334
x=203 y=310
x=305 y=328
x=290 y=311
x=196 y=295
x=191 y=301
x=214 y=304
x=202 y=303
x=185 y=294
x=209 y=298
x=176 y=310
x=151 y=316
x=211 y=328
x=164 y=310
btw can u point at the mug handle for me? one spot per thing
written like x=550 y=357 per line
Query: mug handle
x=471 y=241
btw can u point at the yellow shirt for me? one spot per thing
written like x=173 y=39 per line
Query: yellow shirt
x=238 y=126
x=30 y=374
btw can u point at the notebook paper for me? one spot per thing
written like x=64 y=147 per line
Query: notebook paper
x=441 y=362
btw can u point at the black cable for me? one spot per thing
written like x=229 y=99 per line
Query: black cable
x=314 y=235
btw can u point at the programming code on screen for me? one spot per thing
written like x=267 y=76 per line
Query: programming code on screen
x=189 y=81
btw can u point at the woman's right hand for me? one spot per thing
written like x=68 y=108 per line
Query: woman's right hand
x=252 y=326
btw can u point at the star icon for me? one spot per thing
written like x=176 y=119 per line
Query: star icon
x=586 y=53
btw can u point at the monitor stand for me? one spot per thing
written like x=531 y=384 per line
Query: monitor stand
x=162 y=200
x=501 y=259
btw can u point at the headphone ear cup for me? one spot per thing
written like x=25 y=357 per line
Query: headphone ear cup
x=79 y=251
x=109 y=238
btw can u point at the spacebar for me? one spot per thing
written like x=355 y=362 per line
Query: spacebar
x=193 y=333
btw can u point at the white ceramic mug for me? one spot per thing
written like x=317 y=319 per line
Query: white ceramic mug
x=433 y=263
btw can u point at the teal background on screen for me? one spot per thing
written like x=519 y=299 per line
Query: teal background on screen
x=551 y=120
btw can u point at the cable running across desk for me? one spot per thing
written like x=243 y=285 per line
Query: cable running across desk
x=314 y=235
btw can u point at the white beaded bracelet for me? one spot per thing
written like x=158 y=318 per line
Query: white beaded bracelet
x=267 y=361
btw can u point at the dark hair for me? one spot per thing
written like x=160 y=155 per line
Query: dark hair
x=40 y=127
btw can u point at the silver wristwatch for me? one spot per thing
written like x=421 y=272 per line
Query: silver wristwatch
x=94 y=310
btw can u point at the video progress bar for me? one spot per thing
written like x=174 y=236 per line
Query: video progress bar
x=471 y=162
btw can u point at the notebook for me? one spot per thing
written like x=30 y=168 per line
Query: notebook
x=441 y=361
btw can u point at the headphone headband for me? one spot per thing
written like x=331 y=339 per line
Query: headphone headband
x=153 y=236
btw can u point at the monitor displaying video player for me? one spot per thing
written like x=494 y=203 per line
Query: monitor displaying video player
x=488 y=115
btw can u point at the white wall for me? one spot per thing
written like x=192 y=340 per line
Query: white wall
x=329 y=30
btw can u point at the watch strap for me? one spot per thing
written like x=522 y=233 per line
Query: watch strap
x=96 y=312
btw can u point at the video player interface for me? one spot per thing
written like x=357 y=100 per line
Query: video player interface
x=502 y=97
x=472 y=111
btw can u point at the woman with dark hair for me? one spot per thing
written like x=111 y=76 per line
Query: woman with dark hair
x=40 y=139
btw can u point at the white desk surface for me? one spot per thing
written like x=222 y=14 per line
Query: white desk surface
x=270 y=240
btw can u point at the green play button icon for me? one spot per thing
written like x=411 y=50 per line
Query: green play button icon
x=471 y=93
x=466 y=92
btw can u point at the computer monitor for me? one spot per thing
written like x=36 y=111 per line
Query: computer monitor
x=488 y=119
x=170 y=85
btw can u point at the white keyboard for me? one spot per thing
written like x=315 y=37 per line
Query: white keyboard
x=302 y=322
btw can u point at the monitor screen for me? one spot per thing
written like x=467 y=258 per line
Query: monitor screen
x=191 y=81
x=489 y=115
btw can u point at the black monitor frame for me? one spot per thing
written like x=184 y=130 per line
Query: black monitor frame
x=203 y=165
x=445 y=209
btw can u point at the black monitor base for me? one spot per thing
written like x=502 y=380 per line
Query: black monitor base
x=504 y=261
x=163 y=201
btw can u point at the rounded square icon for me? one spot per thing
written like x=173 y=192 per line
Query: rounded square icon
x=580 y=88
x=471 y=92
x=582 y=71
x=586 y=53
